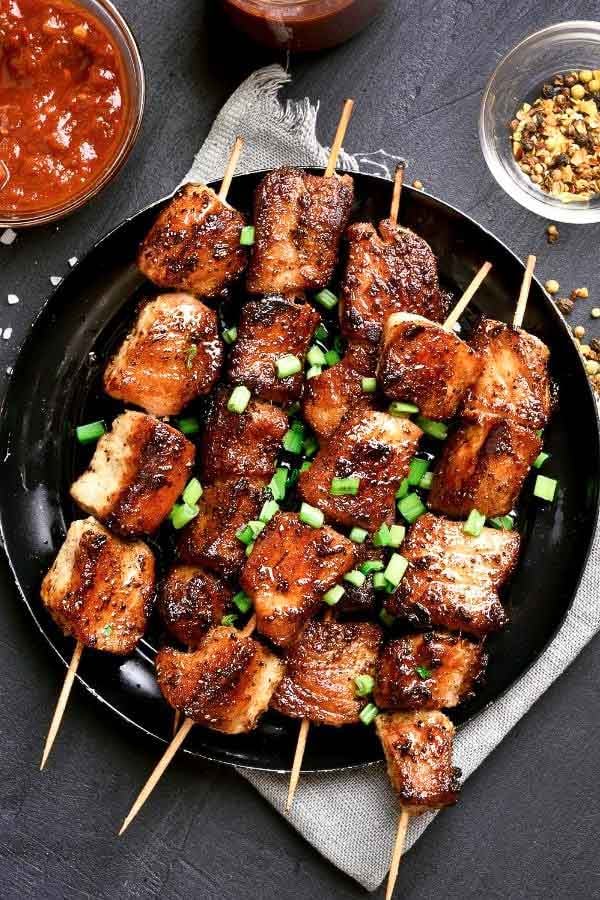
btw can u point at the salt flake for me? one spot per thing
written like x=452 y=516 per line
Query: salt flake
x=55 y=279
x=12 y=299
x=7 y=236
x=7 y=333
x=73 y=261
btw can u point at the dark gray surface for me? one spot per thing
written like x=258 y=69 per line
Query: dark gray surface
x=528 y=821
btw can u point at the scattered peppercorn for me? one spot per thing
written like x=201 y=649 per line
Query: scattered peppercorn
x=552 y=286
x=596 y=312
x=579 y=331
x=581 y=293
x=592 y=367
x=418 y=184
x=595 y=345
x=565 y=306
x=552 y=233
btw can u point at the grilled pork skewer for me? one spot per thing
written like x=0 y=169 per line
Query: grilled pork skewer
x=99 y=590
x=194 y=244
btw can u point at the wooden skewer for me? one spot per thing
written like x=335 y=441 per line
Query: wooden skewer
x=466 y=297
x=339 y=137
x=62 y=702
x=398 y=181
x=397 y=853
x=231 y=167
x=524 y=292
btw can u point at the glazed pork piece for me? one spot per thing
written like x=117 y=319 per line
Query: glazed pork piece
x=299 y=219
x=269 y=329
x=483 y=466
x=428 y=671
x=225 y=507
x=190 y=601
x=389 y=270
x=100 y=589
x=318 y=684
x=136 y=474
x=453 y=578
x=514 y=382
x=291 y=567
x=372 y=446
x=172 y=355
x=418 y=752
x=421 y=363
x=241 y=443
x=226 y=684
x=194 y=244
x=333 y=393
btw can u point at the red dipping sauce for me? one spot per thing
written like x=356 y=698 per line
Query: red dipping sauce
x=63 y=103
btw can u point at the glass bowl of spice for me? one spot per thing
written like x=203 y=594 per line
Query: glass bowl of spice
x=539 y=123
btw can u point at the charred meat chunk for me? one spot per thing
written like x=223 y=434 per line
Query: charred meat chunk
x=361 y=599
x=190 y=601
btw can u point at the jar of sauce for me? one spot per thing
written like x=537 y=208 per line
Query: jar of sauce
x=304 y=25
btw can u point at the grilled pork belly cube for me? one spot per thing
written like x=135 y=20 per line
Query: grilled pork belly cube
x=418 y=752
x=225 y=507
x=242 y=443
x=373 y=446
x=172 y=355
x=428 y=671
x=483 y=466
x=194 y=244
x=361 y=599
x=100 y=589
x=318 y=684
x=299 y=219
x=269 y=329
x=333 y=393
x=421 y=363
x=137 y=472
x=389 y=270
x=190 y=601
x=226 y=684
x=291 y=567
x=514 y=382
x=453 y=579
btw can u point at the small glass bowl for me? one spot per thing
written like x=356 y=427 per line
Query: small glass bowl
x=133 y=68
x=569 y=46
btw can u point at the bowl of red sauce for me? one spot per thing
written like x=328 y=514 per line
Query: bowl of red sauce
x=71 y=104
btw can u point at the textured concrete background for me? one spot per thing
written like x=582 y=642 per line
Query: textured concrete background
x=528 y=822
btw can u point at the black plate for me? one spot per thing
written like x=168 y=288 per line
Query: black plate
x=55 y=386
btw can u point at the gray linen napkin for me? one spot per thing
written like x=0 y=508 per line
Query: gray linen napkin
x=334 y=811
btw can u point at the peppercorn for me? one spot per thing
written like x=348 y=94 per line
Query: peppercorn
x=547 y=91
x=417 y=184
x=585 y=75
x=552 y=286
x=552 y=233
x=570 y=80
x=579 y=331
x=582 y=293
x=578 y=92
x=595 y=345
x=592 y=367
x=596 y=312
x=565 y=306
x=561 y=160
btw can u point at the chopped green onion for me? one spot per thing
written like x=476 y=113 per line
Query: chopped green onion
x=270 y=508
x=386 y=618
x=426 y=481
x=229 y=619
x=381 y=538
x=257 y=526
x=371 y=565
x=321 y=334
x=332 y=357
x=247 y=236
x=107 y=630
x=191 y=355
x=540 y=460
x=230 y=335
x=358 y=535
x=192 y=492
x=402 y=409
x=344 y=487
x=338 y=343
x=311 y=516
x=293 y=440
x=306 y=464
x=355 y=577
x=242 y=601
x=87 y=434
x=311 y=445
x=239 y=399
x=380 y=582
x=368 y=714
x=474 y=524
x=191 y=425
x=423 y=672
x=368 y=385
x=288 y=365
x=437 y=430
x=245 y=534
x=416 y=470
x=403 y=489
x=181 y=514
x=315 y=356
x=326 y=298
x=397 y=535
x=293 y=475
x=249 y=548
x=504 y=522
x=313 y=371
x=395 y=569
x=363 y=685
x=334 y=595
x=539 y=433
x=411 y=507
x=278 y=484
x=545 y=488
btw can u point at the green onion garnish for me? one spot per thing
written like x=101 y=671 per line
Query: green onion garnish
x=230 y=335
x=338 y=343
x=344 y=487
x=190 y=355
x=545 y=488
x=396 y=535
x=503 y=522
x=270 y=508
x=355 y=577
x=315 y=356
x=239 y=399
x=306 y=464
x=191 y=425
x=402 y=409
x=321 y=334
x=380 y=582
x=426 y=481
x=368 y=385
x=395 y=569
x=381 y=538
x=313 y=371
x=311 y=445
x=181 y=514
x=437 y=430
x=371 y=565
x=416 y=470
x=192 y=492
x=540 y=460
x=334 y=595
x=423 y=672
x=474 y=524
x=293 y=440
x=332 y=357
x=411 y=507
x=229 y=619
x=278 y=484
x=326 y=298
x=368 y=714
x=288 y=365
x=311 y=516
x=403 y=489
x=386 y=618
x=363 y=685
x=87 y=434
x=242 y=601
x=249 y=548
x=358 y=535
x=245 y=535
x=247 y=236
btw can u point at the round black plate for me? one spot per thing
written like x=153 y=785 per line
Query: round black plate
x=55 y=387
